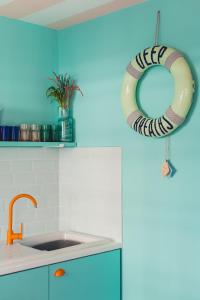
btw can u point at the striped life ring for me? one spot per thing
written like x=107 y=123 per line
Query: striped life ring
x=184 y=88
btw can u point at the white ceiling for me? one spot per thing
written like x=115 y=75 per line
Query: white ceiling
x=60 y=13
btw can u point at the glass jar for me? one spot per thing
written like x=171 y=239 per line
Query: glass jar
x=35 y=133
x=55 y=133
x=66 y=125
x=24 y=132
x=46 y=133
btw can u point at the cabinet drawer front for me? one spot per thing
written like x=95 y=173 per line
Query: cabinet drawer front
x=96 y=277
x=26 y=285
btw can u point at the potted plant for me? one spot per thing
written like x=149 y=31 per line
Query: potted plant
x=62 y=91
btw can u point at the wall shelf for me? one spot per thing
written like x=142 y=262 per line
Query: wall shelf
x=39 y=144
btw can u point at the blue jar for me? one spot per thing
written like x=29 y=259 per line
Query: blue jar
x=0 y=133
x=6 y=133
x=14 y=133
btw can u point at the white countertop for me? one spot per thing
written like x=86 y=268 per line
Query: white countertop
x=20 y=256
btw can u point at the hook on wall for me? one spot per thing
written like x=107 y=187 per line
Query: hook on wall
x=157 y=28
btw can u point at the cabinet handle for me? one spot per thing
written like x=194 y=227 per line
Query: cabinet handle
x=59 y=273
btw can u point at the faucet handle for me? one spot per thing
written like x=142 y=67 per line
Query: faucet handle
x=20 y=235
x=17 y=236
x=21 y=228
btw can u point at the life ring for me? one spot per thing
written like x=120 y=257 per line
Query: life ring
x=184 y=88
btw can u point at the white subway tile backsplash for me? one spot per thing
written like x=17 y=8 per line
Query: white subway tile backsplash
x=48 y=213
x=29 y=153
x=47 y=178
x=34 y=190
x=3 y=232
x=3 y=219
x=24 y=178
x=49 y=154
x=35 y=172
x=90 y=190
x=45 y=165
x=8 y=154
x=50 y=226
x=21 y=166
x=8 y=193
x=6 y=180
x=74 y=189
x=4 y=167
x=49 y=189
x=34 y=228
x=24 y=215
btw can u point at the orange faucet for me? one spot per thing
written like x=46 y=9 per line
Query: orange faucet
x=11 y=235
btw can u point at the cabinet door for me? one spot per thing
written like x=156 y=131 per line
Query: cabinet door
x=95 y=277
x=26 y=285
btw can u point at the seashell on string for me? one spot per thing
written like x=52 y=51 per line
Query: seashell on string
x=165 y=168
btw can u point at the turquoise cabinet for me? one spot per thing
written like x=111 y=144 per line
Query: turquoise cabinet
x=26 y=285
x=95 y=277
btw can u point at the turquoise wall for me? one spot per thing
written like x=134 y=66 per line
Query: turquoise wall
x=161 y=216
x=28 y=54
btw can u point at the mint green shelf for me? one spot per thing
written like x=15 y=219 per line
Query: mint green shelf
x=39 y=144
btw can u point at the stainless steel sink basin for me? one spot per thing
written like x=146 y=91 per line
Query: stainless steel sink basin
x=56 y=244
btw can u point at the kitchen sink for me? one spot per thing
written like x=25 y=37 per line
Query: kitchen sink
x=62 y=241
x=56 y=244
